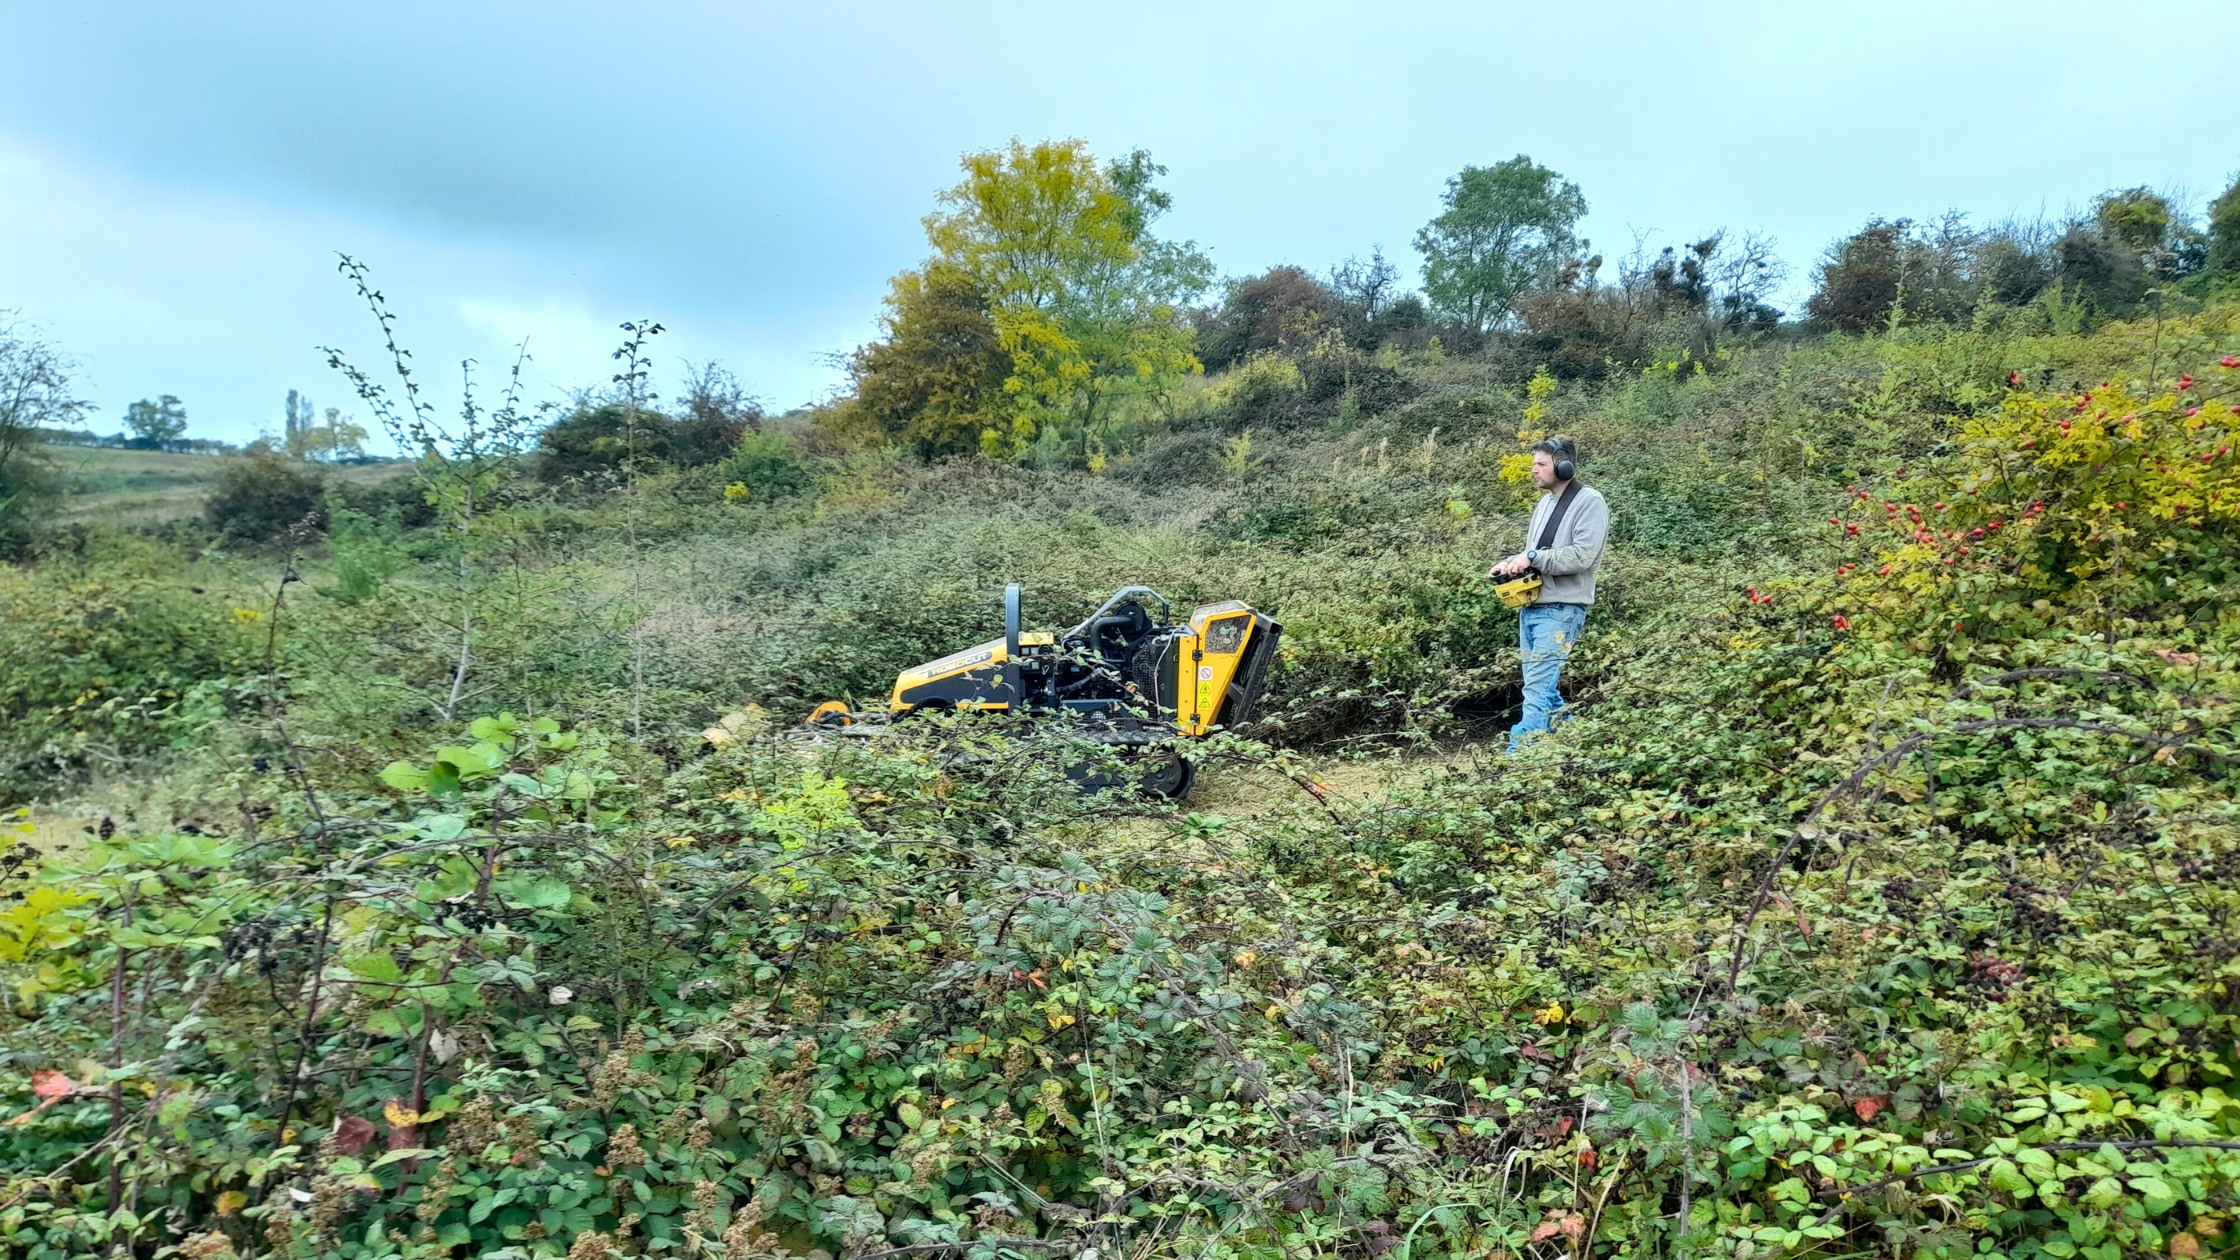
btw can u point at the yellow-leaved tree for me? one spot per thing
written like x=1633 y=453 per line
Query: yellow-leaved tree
x=1046 y=300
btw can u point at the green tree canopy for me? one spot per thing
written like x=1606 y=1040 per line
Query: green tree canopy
x=35 y=394
x=1043 y=262
x=936 y=380
x=1504 y=229
x=157 y=422
x=2224 y=232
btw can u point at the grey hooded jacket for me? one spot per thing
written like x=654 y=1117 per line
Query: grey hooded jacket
x=1568 y=566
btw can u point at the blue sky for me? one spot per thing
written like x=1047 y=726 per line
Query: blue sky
x=175 y=180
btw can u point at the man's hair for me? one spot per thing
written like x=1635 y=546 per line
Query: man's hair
x=1557 y=445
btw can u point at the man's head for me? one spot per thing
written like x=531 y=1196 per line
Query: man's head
x=1555 y=460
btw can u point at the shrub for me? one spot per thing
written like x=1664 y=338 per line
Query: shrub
x=1176 y=462
x=767 y=465
x=713 y=413
x=260 y=497
x=2223 y=258
x=594 y=442
x=1267 y=390
x=1282 y=307
x=99 y=660
x=402 y=499
x=1331 y=368
x=1865 y=275
x=2108 y=512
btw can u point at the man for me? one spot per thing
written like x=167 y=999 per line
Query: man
x=1564 y=544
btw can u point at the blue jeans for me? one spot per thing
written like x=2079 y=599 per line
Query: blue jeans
x=1545 y=636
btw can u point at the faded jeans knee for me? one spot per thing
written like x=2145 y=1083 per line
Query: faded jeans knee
x=1546 y=634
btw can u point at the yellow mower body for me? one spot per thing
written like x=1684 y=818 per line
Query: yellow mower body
x=1121 y=663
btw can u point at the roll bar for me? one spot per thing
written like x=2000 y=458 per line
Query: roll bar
x=1011 y=622
x=1119 y=597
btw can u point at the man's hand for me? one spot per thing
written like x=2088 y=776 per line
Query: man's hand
x=1510 y=567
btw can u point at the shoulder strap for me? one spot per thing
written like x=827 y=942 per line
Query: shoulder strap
x=1555 y=518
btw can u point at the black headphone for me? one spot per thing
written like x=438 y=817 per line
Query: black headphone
x=1565 y=453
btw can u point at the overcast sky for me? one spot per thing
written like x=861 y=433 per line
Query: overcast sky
x=176 y=180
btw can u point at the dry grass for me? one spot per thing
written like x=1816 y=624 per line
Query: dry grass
x=50 y=830
x=143 y=487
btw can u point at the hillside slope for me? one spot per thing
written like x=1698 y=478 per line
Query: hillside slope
x=1879 y=898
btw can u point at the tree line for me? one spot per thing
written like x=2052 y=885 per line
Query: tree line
x=1050 y=321
x=1048 y=308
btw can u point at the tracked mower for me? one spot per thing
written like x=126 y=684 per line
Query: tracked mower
x=1140 y=683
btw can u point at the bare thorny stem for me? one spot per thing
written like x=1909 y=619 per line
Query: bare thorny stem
x=632 y=378
x=116 y=1060
x=459 y=472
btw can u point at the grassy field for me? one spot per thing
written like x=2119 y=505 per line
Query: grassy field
x=139 y=487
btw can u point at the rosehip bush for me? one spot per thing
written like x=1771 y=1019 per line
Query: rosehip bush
x=2107 y=512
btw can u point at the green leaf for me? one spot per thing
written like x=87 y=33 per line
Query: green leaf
x=2154 y=1188
x=377 y=966
x=546 y=893
x=397 y=1156
x=404 y=776
x=443 y=781
x=470 y=762
x=440 y=827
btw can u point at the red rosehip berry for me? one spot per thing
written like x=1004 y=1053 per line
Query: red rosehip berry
x=1842 y=622
x=2186 y=381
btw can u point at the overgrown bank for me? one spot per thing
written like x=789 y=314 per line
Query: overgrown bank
x=1878 y=900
